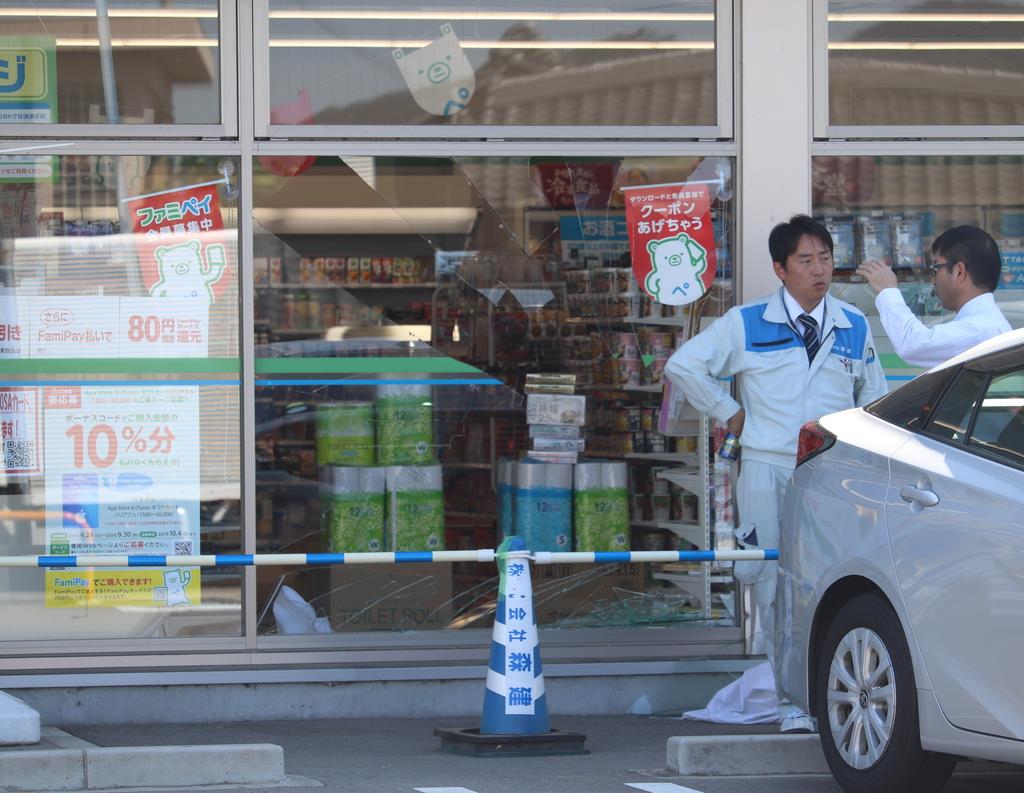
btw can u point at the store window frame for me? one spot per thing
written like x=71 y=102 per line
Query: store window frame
x=464 y=646
x=725 y=49
x=228 y=59
x=823 y=129
x=28 y=656
x=427 y=651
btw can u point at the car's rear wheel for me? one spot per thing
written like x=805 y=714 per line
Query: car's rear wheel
x=866 y=705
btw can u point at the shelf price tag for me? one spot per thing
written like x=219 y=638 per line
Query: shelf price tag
x=671 y=240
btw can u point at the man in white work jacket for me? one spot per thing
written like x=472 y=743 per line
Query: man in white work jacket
x=797 y=354
x=965 y=271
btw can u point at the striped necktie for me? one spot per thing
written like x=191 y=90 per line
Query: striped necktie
x=810 y=335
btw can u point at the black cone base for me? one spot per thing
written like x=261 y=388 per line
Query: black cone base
x=469 y=741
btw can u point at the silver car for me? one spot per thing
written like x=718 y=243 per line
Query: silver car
x=901 y=577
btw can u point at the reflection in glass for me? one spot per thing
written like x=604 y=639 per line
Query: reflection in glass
x=892 y=208
x=524 y=64
x=119 y=402
x=405 y=309
x=118 y=62
x=911 y=63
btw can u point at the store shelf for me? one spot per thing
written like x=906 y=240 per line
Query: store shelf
x=646 y=389
x=668 y=322
x=468 y=466
x=693 y=533
x=666 y=457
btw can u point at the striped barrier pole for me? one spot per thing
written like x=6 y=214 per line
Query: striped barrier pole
x=394 y=557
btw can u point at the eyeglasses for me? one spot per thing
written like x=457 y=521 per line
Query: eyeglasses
x=933 y=269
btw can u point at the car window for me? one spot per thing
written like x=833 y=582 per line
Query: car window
x=910 y=405
x=951 y=419
x=999 y=427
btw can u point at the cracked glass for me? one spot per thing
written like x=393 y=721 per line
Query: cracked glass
x=409 y=310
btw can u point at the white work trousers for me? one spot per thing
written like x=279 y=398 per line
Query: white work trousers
x=759 y=493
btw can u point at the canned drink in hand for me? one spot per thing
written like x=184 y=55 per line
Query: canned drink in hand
x=730 y=448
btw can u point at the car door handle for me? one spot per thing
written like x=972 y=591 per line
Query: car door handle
x=917 y=495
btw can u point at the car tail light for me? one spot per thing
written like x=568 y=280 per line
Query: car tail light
x=814 y=439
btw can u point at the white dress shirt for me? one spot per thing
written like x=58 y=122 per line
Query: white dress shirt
x=794 y=310
x=977 y=320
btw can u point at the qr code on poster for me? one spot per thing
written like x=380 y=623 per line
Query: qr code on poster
x=183 y=548
x=20 y=455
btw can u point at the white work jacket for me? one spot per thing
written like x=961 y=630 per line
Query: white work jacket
x=780 y=391
x=977 y=320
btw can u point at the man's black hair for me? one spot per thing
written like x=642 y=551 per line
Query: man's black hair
x=976 y=249
x=785 y=237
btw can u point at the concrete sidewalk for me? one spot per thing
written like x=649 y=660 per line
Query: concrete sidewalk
x=390 y=755
x=370 y=755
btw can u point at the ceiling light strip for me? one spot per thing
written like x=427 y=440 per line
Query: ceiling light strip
x=118 y=13
x=489 y=16
x=497 y=45
x=926 y=46
x=894 y=17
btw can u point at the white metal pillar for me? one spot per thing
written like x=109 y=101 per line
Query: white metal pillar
x=774 y=129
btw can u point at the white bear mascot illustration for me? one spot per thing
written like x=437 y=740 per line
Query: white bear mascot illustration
x=439 y=75
x=185 y=273
x=677 y=264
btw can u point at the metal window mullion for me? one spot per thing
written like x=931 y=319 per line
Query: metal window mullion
x=499 y=132
x=724 y=74
x=995 y=132
x=259 y=42
x=917 y=148
x=132 y=131
x=229 y=41
x=441 y=148
x=819 y=68
x=120 y=147
x=247 y=292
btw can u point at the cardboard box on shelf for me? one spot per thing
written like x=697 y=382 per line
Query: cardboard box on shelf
x=555 y=409
x=554 y=431
x=390 y=597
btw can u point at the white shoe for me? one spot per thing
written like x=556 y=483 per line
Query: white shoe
x=797 y=723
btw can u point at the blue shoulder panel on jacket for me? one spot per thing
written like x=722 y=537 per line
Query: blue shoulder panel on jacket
x=763 y=336
x=850 y=341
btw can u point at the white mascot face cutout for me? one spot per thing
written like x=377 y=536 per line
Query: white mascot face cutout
x=184 y=273
x=677 y=264
x=439 y=75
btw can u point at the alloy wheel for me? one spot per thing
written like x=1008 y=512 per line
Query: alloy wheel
x=861 y=698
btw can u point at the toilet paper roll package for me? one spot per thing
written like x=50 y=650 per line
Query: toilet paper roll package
x=405 y=425
x=344 y=434
x=543 y=505
x=415 y=499
x=601 y=507
x=506 y=498
x=353 y=508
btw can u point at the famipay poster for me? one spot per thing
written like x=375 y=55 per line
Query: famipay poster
x=122 y=477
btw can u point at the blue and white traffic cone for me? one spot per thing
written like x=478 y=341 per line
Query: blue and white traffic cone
x=514 y=700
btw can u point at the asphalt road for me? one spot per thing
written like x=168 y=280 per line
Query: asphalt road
x=402 y=756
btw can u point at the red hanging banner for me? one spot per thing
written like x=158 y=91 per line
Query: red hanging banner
x=671 y=240
x=183 y=249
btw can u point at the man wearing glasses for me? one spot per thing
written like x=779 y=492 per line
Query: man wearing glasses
x=965 y=273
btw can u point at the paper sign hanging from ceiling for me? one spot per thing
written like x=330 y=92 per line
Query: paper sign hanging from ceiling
x=439 y=75
x=184 y=251
x=671 y=240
